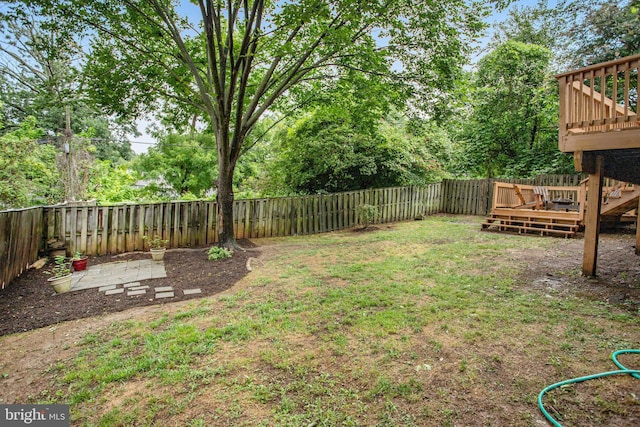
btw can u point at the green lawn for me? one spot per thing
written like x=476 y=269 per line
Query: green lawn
x=420 y=323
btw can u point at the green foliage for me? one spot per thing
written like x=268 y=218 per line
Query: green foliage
x=513 y=129
x=112 y=183
x=41 y=75
x=608 y=31
x=216 y=252
x=147 y=58
x=419 y=151
x=323 y=152
x=538 y=25
x=179 y=165
x=155 y=242
x=61 y=267
x=367 y=215
x=28 y=172
x=331 y=149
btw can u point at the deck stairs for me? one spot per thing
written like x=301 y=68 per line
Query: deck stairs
x=543 y=225
x=618 y=203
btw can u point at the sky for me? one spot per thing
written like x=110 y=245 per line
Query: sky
x=141 y=144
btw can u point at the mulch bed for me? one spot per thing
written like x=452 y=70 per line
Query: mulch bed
x=29 y=302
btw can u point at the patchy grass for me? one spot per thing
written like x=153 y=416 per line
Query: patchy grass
x=422 y=323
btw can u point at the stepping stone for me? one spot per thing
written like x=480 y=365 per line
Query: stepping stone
x=114 y=291
x=165 y=295
x=137 y=288
x=131 y=285
x=106 y=288
x=133 y=293
x=164 y=289
x=192 y=291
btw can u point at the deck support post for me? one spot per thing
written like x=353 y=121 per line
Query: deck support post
x=638 y=228
x=592 y=219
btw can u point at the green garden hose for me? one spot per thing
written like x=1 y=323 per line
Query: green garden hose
x=614 y=356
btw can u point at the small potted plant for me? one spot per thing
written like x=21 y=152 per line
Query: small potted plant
x=79 y=261
x=157 y=246
x=60 y=275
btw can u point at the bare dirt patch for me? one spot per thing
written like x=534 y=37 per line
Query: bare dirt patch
x=29 y=302
x=558 y=270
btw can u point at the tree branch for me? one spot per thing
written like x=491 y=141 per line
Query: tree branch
x=186 y=57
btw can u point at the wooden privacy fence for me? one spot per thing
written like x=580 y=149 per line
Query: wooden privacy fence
x=96 y=230
x=20 y=241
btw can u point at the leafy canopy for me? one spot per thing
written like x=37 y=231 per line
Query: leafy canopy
x=513 y=129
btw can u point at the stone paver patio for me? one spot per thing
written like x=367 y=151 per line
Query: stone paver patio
x=117 y=273
x=123 y=278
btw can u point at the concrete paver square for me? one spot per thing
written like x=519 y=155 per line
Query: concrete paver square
x=134 y=293
x=192 y=291
x=114 y=291
x=131 y=285
x=164 y=295
x=164 y=289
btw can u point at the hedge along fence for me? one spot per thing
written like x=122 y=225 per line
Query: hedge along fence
x=20 y=241
x=97 y=230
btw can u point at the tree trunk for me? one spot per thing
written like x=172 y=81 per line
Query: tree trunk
x=226 y=236
x=225 y=198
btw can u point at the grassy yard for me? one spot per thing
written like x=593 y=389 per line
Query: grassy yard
x=426 y=323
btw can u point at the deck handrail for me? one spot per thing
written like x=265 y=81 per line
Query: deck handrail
x=598 y=98
x=505 y=195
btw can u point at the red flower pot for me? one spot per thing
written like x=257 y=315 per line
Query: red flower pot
x=79 y=264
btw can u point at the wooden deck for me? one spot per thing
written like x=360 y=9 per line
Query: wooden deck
x=599 y=116
x=517 y=208
x=600 y=125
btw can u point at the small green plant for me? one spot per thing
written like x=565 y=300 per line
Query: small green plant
x=155 y=242
x=367 y=214
x=216 y=252
x=61 y=267
x=76 y=256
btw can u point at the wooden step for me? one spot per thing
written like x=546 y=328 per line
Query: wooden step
x=517 y=223
x=537 y=230
x=568 y=224
x=542 y=224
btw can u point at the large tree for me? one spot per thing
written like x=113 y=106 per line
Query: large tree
x=41 y=76
x=513 y=130
x=608 y=30
x=243 y=56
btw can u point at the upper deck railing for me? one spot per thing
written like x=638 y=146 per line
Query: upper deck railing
x=596 y=99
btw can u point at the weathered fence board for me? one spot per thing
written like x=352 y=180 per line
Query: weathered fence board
x=21 y=234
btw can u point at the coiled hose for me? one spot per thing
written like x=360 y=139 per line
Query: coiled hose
x=614 y=356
